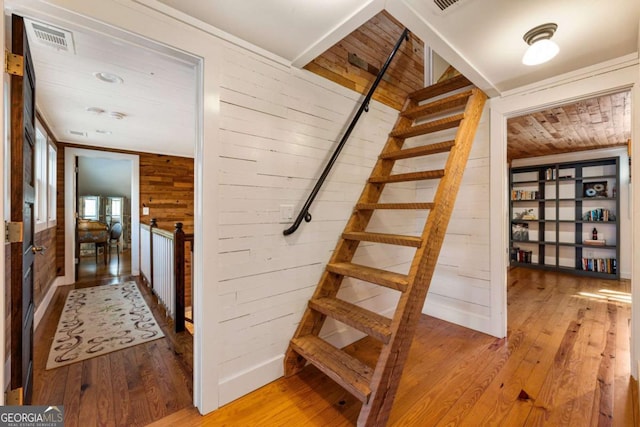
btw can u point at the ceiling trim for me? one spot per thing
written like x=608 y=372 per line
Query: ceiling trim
x=582 y=73
x=339 y=32
x=210 y=29
x=420 y=26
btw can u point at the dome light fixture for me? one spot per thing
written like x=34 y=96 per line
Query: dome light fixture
x=541 y=48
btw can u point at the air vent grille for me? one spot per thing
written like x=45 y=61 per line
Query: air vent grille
x=57 y=38
x=443 y=4
x=77 y=133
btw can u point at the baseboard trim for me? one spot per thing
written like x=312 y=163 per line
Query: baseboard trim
x=458 y=317
x=245 y=382
x=44 y=304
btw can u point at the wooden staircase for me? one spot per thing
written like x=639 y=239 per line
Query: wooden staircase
x=376 y=387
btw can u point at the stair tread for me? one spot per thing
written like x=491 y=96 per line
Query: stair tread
x=380 y=277
x=392 y=239
x=357 y=317
x=439 y=106
x=429 y=127
x=344 y=369
x=373 y=206
x=424 y=150
x=445 y=86
x=404 y=177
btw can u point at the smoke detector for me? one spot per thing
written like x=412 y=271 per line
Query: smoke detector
x=50 y=36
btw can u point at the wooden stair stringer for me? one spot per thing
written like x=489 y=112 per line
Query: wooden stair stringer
x=329 y=282
x=388 y=371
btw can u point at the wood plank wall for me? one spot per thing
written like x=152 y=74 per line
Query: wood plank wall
x=373 y=42
x=278 y=127
x=166 y=187
x=45 y=263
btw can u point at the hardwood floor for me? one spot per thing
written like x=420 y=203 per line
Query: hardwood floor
x=565 y=362
x=90 y=270
x=130 y=387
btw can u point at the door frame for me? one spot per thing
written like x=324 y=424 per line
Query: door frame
x=139 y=23
x=70 y=186
x=620 y=74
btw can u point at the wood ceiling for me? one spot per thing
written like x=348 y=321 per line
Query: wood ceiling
x=600 y=122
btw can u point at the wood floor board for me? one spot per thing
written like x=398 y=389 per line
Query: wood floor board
x=547 y=372
x=72 y=394
x=131 y=387
x=104 y=393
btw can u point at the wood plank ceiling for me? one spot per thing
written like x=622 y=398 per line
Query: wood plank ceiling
x=354 y=61
x=600 y=122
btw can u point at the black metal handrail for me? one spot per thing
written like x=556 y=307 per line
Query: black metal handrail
x=304 y=212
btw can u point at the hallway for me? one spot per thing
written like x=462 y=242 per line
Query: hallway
x=130 y=387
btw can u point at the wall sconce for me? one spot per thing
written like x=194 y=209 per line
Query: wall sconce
x=541 y=49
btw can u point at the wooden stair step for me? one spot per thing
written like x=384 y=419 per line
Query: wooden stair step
x=384 y=278
x=429 y=127
x=424 y=150
x=445 y=86
x=357 y=317
x=390 y=239
x=440 y=106
x=374 y=206
x=404 y=177
x=349 y=372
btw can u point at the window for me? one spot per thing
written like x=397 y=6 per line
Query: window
x=90 y=207
x=52 y=168
x=45 y=164
x=116 y=207
x=41 y=177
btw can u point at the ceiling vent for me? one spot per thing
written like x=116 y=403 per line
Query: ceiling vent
x=444 y=5
x=77 y=133
x=48 y=35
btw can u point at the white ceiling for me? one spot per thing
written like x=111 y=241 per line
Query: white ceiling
x=486 y=34
x=157 y=95
x=482 y=38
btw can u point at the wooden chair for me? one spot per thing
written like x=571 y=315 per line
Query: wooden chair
x=114 y=237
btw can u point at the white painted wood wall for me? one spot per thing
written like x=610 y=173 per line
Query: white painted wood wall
x=460 y=290
x=278 y=127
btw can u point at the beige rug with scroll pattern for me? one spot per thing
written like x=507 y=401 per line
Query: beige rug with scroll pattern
x=100 y=320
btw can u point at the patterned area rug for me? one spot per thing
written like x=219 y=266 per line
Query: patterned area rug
x=100 y=320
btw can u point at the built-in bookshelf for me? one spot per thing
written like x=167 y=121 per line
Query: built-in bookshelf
x=564 y=217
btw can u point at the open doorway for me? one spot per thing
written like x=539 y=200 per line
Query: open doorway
x=103 y=244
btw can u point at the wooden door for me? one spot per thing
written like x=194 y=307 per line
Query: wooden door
x=22 y=210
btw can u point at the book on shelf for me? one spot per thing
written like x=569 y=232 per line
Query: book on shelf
x=600 y=265
x=598 y=215
x=592 y=242
x=524 y=195
x=520 y=255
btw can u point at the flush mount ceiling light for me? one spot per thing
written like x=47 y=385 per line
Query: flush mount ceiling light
x=117 y=115
x=95 y=110
x=108 y=77
x=541 y=48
